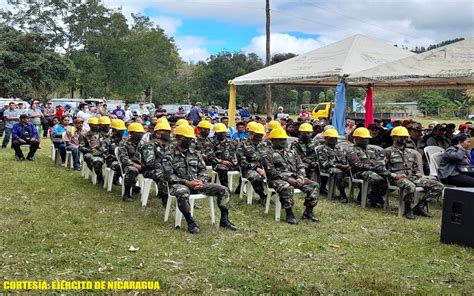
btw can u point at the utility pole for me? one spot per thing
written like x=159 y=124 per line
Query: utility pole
x=268 y=89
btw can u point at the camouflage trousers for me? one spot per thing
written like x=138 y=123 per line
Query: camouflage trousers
x=157 y=176
x=257 y=182
x=286 y=192
x=94 y=163
x=339 y=179
x=433 y=189
x=182 y=193
x=377 y=184
x=130 y=175
x=222 y=171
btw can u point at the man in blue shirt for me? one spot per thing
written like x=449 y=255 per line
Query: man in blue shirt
x=25 y=133
x=195 y=114
x=10 y=117
x=119 y=112
x=230 y=130
x=244 y=113
x=241 y=133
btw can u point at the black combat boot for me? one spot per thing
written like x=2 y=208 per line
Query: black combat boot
x=308 y=215
x=126 y=196
x=100 y=179
x=408 y=211
x=343 y=197
x=225 y=223
x=192 y=226
x=136 y=189
x=290 y=217
x=419 y=209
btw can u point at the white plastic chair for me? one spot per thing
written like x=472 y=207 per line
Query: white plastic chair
x=364 y=189
x=53 y=153
x=230 y=179
x=401 y=202
x=69 y=160
x=429 y=150
x=272 y=192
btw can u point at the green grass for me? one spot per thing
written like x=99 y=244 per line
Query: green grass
x=57 y=226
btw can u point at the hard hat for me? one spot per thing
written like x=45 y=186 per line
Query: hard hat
x=362 y=132
x=118 y=124
x=257 y=128
x=274 y=124
x=104 y=120
x=182 y=121
x=161 y=119
x=306 y=127
x=399 y=131
x=136 y=127
x=93 y=120
x=204 y=124
x=278 y=133
x=162 y=126
x=331 y=133
x=185 y=131
x=220 y=128
x=250 y=124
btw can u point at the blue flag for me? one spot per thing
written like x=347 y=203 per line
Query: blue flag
x=339 y=115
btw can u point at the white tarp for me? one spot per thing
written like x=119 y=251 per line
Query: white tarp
x=449 y=66
x=325 y=65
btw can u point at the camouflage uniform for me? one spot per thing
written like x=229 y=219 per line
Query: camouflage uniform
x=223 y=150
x=108 y=149
x=369 y=164
x=204 y=146
x=281 y=165
x=331 y=160
x=129 y=153
x=180 y=167
x=93 y=155
x=403 y=161
x=152 y=155
x=250 y=157
x=306 y=151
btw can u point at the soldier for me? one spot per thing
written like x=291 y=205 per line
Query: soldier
x=332 y=160
x=285 y=172
x=306 y=149
x=129 y=154
x=249 y=155
x=271 y=126
x=152 y=155
x=223 y=158
x=104 y=122
x=368 y=163
x=405 y=174
x=203 y=143
x=186 y=172
x=109 y=145
x=92 y=149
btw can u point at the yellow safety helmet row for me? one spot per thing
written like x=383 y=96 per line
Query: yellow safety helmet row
x=278 y=133
x=93 y=120
x=162 y=126
x=136 y=127
x=331 y=133
x=399 y=131
x=104 y=120
x=220 y=128
x=256 y=128
x=204 y=124
x=362 y=132
x=306 y=127
x=118 y=124
x=185 y=131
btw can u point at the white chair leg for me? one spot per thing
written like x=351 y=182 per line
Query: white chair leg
x=401 y=204
x=277 y=209
x=364 y=187
x=249 y=192
x=241 y=193
x=87 y=172
x=213 y=212
x=106 y=177
x=110 y=180
x=94 y=177
x=331 y=181
x=146 y=191
x=267 y=205
x=168 y=207
x=178 y=216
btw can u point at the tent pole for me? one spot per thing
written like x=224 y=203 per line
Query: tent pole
x=232 y=103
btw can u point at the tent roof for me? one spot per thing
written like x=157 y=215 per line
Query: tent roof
x=325 y=65
x=449 y=66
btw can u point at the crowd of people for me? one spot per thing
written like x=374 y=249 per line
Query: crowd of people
x=281 y=153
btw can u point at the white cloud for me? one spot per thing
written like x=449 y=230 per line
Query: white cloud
x=282 y=43
x=191 y=48
x=169 y=24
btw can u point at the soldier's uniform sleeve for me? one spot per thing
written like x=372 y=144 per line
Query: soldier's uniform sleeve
x=268 y=165
x=202 y=171
x=415 y=168
x=95 y=145
x=300 y=166
x=84 y=148
x=147 y=152
x=381 y=163
x=168 y=170
x=356 y=162
x=212 y=156
x=241 y=158
x=123 y=155
x=233 y=154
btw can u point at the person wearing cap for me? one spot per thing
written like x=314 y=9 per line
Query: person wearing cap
x=25 y=133
x=203 y=142
x=96 y=159
x=119 y=112
x=195 y=114
x=405 y=174
x=463 y=129
x=368 y=163
x=186 y=174
x=11 y=118
x=222 y=157
x=129 y=154
x=91 y=145
x=285 y=172
x=249 y=156
x=415 y=140
x=59 y=136
x=438 y=137
x=241 y=134
x=104 y=123
x=21 y=109
x=450 y=128
x=152 y=154
x=376 y=134
x=59 y=111
x=279 y=115
x=74 y=139
x=332 y=160
x=35 y=115
x=109 y=144
x=305 y=149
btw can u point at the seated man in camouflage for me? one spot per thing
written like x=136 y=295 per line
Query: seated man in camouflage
x=129 y=154
x=405 y=174
x=186 y=172
x=368 y=163
x=109 y=145
x=249 y=155
x=285 y=172
x=223 y=158
x=306 y=149
x=91 y=149
x=332 y=160
x=203 y=143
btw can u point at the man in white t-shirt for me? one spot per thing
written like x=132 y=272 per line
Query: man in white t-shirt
x=84 y=115
x=142 y=110
x=128 y=114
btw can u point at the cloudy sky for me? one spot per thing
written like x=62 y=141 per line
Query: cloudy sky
x=204 y=27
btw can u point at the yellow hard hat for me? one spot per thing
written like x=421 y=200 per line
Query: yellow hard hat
x=185 y=131
x=331 y=133
x=182 y=121
x=257 y=128
x=118 y=124
x=274 y=124
x=93 y=120
x=162 y=119
x=278 y=133
x=250 y=124
x=162 y=126
x=220 y=128
x=104 y=120
x=136 y=127
x=362 y=132
x=306 y=127
x=204 y=124
x=399 y=131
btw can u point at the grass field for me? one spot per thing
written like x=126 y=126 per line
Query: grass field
x=57 y=226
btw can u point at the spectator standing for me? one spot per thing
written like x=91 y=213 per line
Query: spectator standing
x=244 y=113
x=350 y=126
x=35 y=115
x=180 y=114
x=161 y=112
x=195 y=114
x=119 y=112
x=21 y=109
x=11 y=118
x=2 y=122
x=48 y=114
x=305 y=115
x=279 y=113
x=25 y=133
x=59 y=111
x=128 y=114
x=142 y=110
x=241 y=133
x=84 y=115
